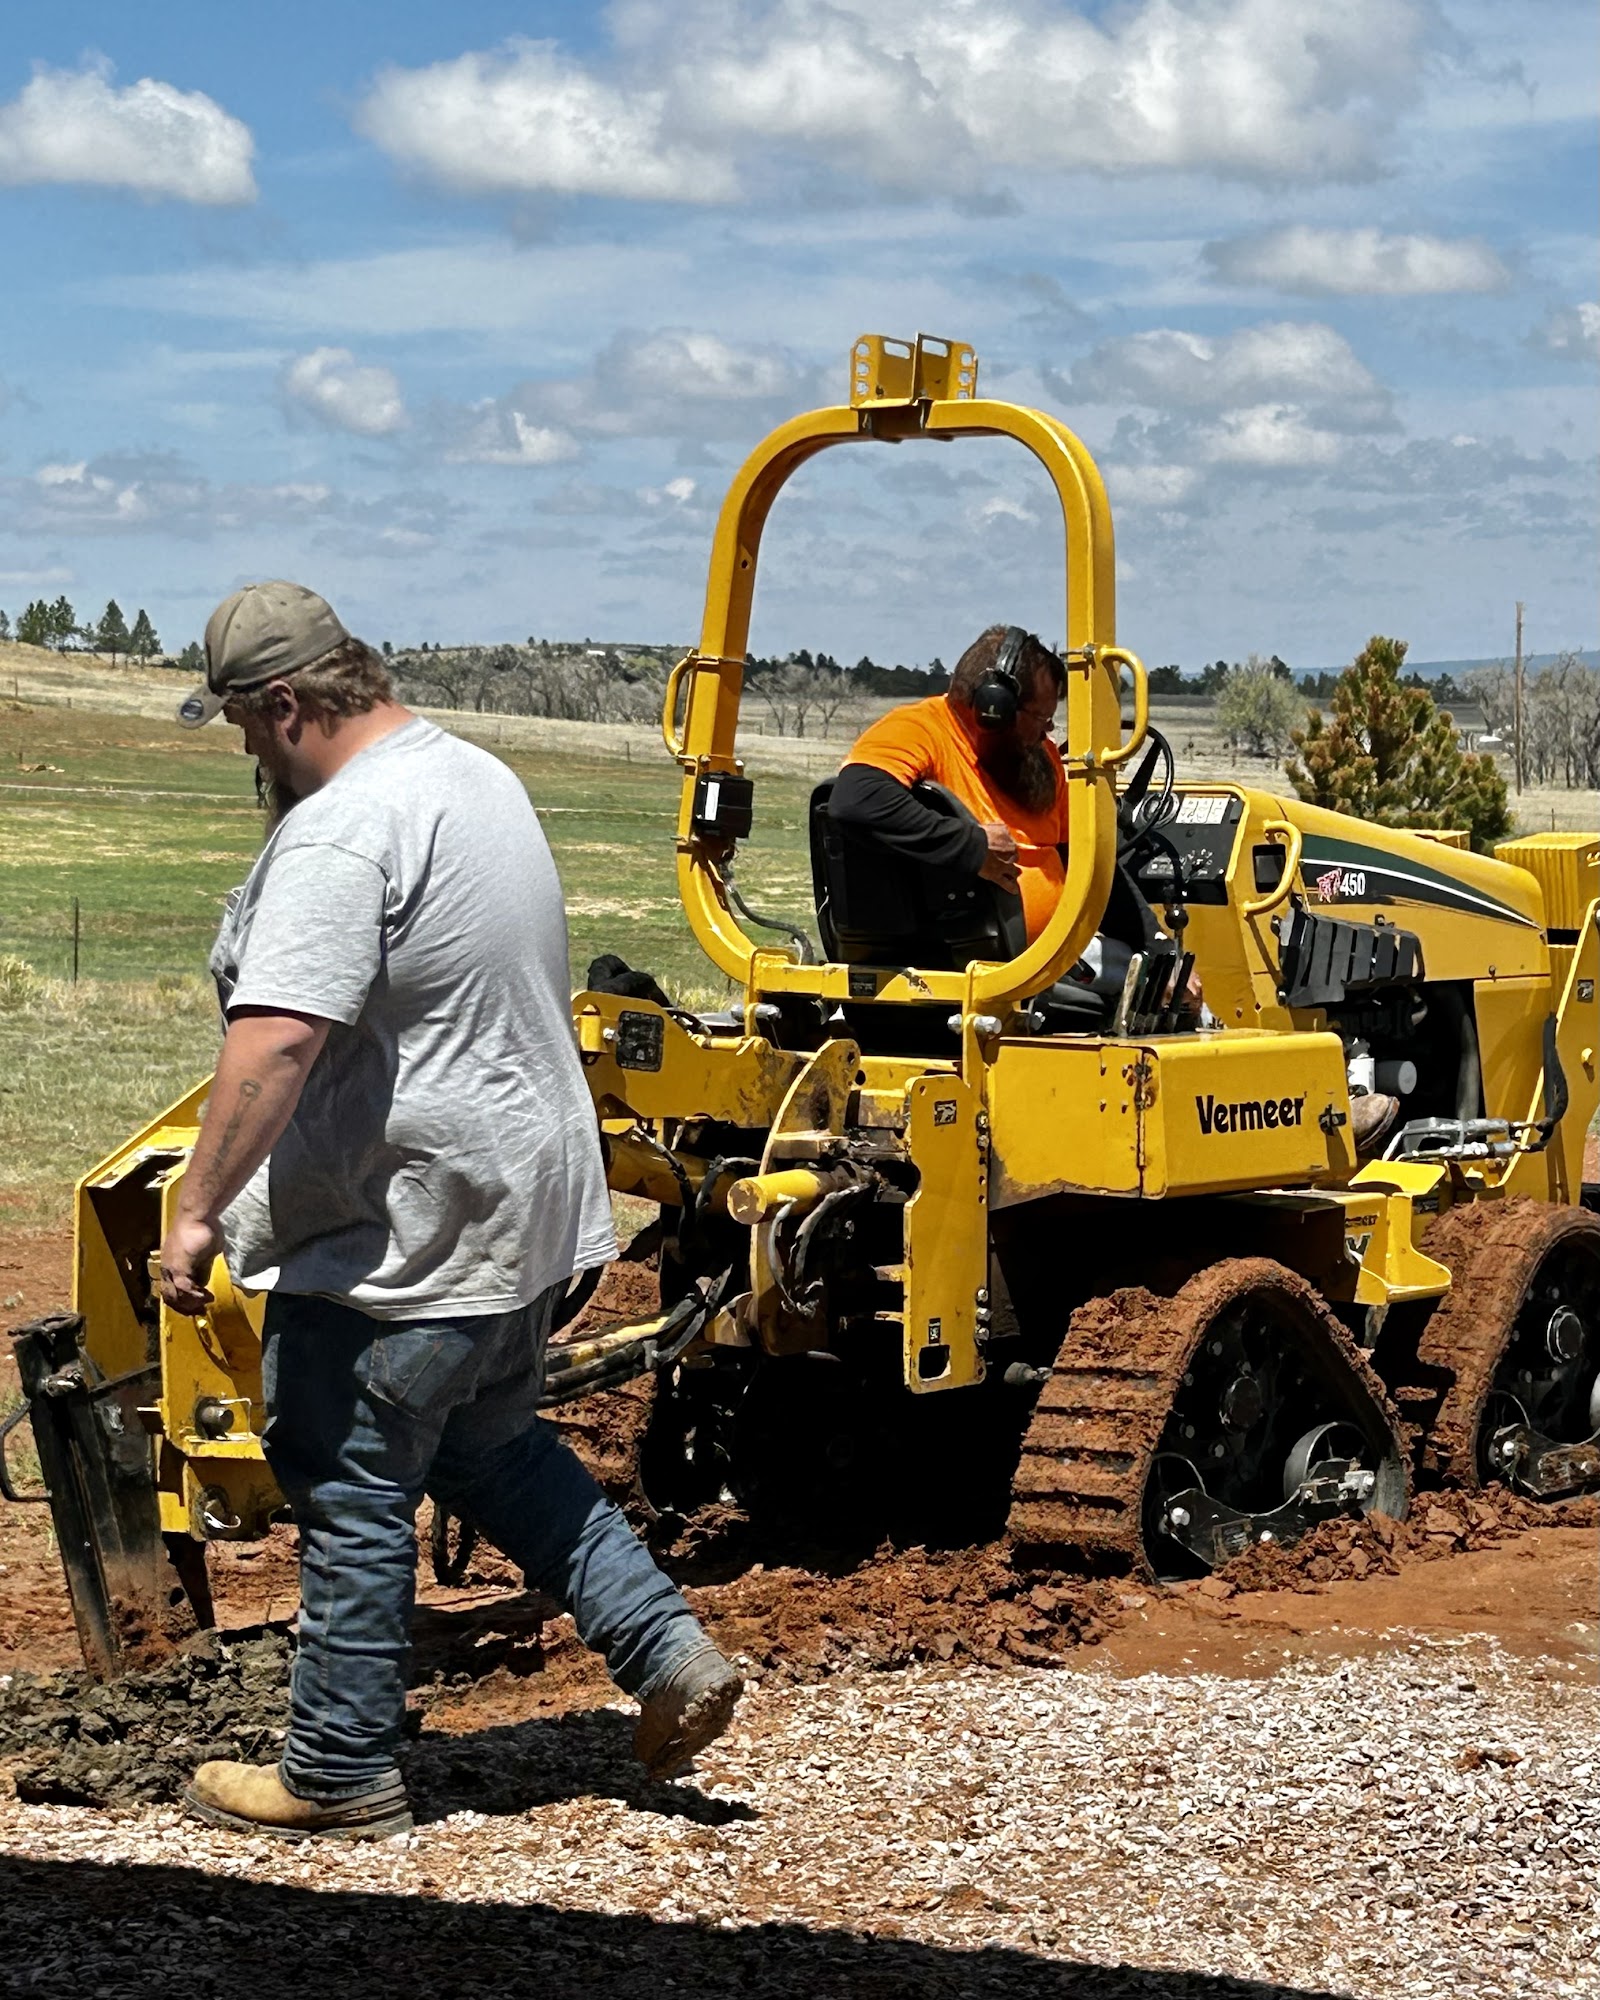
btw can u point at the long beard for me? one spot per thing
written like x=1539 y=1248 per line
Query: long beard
x=1023 y=771
x=276 y=797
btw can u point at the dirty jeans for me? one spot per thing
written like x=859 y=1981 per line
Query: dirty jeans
x=364 y=1417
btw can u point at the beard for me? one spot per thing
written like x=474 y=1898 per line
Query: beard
x=276 y=796
x=1023 y=771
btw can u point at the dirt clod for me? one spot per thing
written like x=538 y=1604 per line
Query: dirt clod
x=1348 y=1548
x=904 y=1606
x=68 y=1739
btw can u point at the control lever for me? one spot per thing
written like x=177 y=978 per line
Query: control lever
x=1172 y=1013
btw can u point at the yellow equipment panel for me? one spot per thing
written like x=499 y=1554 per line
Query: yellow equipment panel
x=947 y=1235
x=1191 y=1114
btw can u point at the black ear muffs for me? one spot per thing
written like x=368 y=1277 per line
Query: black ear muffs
x=998 y=696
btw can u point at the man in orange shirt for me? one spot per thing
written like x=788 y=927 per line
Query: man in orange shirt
x=987 y=740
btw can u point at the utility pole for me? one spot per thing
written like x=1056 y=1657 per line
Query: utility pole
x=1519 y=699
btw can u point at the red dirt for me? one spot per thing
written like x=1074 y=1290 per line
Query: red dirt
x=488 y=1652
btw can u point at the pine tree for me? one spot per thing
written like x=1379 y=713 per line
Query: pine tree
x=5 y=626
x=191 y=659
x=63 y=623
x=142 y=640
x=1388 y=755
x=111 y=634
x=33 y=624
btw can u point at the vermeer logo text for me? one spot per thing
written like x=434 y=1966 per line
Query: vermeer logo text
x=1253 y=1115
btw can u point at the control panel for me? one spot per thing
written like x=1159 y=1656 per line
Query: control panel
x=1196 y=846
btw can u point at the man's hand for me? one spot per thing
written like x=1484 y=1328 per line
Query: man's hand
x=186 y=1257
x=1000 y=863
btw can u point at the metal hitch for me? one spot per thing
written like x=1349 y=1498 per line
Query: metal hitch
x=98 y=1465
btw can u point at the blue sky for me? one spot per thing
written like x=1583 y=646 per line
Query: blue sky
x=467 y=316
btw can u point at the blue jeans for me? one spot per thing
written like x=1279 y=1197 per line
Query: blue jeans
x=363 y=1417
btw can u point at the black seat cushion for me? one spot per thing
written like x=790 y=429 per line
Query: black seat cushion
x=879 y=907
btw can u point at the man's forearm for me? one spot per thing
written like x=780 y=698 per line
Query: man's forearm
x=260 y=1074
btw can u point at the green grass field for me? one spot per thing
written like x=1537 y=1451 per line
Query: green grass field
x=149 y=827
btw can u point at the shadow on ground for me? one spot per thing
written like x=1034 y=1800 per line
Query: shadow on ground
x=512 y=1768
x=76 y=1928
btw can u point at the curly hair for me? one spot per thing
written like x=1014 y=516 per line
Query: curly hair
x=348 y=681
x=980 y=657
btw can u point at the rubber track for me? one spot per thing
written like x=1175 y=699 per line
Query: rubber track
x=1099 y=1419
x=1492 y=1250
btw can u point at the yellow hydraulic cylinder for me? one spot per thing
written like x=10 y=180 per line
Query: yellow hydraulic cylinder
x=752 y=1200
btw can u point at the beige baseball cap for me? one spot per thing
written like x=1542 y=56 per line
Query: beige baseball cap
x=260 y=634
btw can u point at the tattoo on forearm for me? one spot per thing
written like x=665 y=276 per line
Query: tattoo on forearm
x=214 y=1172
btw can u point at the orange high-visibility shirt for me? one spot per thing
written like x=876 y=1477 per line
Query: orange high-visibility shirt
x=930 y=739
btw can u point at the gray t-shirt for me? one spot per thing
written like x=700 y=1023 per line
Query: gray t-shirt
x=444 y=1156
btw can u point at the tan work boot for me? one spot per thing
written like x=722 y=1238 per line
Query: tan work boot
x=688 y=1711
x=252 y=1798
x=1372 y=1113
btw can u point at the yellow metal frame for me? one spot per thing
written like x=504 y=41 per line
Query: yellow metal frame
x=899 y=399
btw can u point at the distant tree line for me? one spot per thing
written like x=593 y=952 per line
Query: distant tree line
x=803 y=690
x=798 y=695
x=57 y=626
x=544 y=678
x=1560 y=718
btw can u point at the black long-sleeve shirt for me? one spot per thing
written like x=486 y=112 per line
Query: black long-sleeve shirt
x=871 y=803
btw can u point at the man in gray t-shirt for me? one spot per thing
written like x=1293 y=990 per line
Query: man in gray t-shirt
x=443 y=1155
x=400 y=1150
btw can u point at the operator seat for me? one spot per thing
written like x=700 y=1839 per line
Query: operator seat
x=877 y=907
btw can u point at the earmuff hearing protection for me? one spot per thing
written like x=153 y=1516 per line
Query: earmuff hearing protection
x=998 y=696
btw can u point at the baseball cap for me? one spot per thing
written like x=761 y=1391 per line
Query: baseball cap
x=260 y=634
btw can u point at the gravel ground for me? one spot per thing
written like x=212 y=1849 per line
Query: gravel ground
x=1422 y=1824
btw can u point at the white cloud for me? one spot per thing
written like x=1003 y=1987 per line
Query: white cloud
x=74 y=126
x=344 y=394
x=679 y=492
x=526 y=118
x=1000 y=507
x=673 y=382
x=1572 y=331
x=150 y=492
x=494 y=433
x=156 y=495
x=1368 y=262
x=697 y=98
x=1270 y=437
x=1150 y=485
x=1278 y=361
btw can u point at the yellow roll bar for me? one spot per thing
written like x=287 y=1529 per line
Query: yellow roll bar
x=891 y=402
